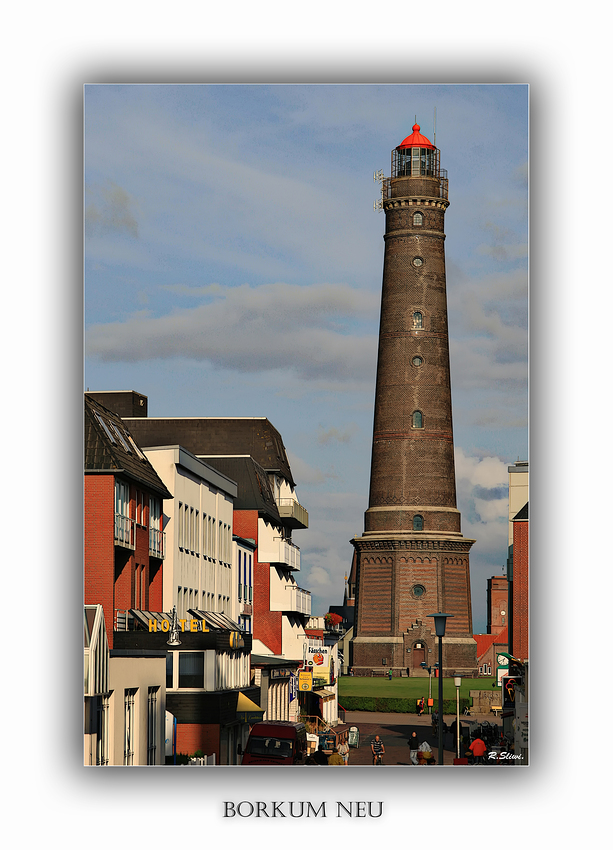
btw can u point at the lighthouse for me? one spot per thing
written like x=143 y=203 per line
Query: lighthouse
x=412 y=559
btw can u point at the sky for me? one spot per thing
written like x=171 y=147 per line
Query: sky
x=233 y=267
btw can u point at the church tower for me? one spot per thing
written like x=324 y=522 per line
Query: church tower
x=412 y=559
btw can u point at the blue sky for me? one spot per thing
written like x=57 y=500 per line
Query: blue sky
x=233 y=265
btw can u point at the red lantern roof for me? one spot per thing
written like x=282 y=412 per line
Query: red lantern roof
x=416 y=140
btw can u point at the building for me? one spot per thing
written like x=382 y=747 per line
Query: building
x=412 y=559
x=280 y=606
x=125 y=700
x=124 y=532
x=207 y=678
x=497 y=604
x=519 y=586
x=519 y=494
x=198 y=568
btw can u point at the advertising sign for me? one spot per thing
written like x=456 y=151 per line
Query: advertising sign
x=317 y=661
x=293 y=687
x=305 y=681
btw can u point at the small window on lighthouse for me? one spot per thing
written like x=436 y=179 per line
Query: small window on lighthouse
x=418 y=320
x=418 y=219
x=418 y=523
x=418 y=419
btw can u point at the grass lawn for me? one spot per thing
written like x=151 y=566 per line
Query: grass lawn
x=409 y=688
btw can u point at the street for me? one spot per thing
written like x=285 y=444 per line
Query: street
x=395 y=730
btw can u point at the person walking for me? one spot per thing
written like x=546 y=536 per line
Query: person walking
x=420 y=707
x=378 y=750
x=413 y=743
x=344 y=751
x=336 y=757
x=319 y=756
x=478 y=749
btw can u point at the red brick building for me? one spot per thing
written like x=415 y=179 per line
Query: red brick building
x=497 y=604
x=123 y=527
x=519 y=642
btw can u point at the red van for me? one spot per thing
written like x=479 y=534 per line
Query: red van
x=276 y=742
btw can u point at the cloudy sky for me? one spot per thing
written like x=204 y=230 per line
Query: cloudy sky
x=233 y=265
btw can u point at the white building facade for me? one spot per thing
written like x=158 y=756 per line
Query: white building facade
x=198 y=571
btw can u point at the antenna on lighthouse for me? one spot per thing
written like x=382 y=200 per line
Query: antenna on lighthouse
x=434 y=139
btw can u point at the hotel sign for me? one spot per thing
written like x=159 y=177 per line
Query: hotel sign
x=165 y=625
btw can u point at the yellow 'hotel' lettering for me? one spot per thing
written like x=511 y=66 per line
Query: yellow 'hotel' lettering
x=165 y=625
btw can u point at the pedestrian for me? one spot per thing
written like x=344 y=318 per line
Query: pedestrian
x=389 y=675
x=478 y=749
x=413 y=743
x=336 y=757
x=378 y=750
x=320 y=757
x=420 y=707
x=344 y=751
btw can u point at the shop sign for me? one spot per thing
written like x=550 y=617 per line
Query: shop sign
x=194 y=625
x=305 y=681
x=280 y=672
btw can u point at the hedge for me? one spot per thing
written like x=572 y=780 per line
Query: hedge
x=400 y=705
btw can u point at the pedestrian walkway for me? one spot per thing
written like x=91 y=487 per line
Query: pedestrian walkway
x=394 y=729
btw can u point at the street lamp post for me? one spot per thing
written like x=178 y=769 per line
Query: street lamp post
x=457 y=681
x=439 y=627
x=423 y=664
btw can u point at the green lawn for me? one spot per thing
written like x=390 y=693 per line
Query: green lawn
x=413 y=687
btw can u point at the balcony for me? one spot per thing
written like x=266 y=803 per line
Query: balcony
x=125 y=532
x=292 y=513
x=292 y=598
x=157 y=543
x=279 y=552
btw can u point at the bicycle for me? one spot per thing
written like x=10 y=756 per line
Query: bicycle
x=377 y=758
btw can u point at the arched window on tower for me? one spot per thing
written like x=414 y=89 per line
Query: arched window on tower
x=418 y=219
x=418 y=419
x=418 y=523
x=418 y=320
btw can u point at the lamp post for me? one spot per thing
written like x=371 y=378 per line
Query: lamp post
x=429 y=669
x=440 y=621
x=457 y=681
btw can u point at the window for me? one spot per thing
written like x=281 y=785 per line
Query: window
x=418 y=523
x=418 y=420
x=418 y=320
x=129 y=731
x=417 y=262
x=169 y=670
x=152 y=724
x=418 y=219
x=102 y=726
x=191 y=669
x=417 y=361
x=418 y=590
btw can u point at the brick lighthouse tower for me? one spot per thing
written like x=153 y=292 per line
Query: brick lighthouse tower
x=412 y=559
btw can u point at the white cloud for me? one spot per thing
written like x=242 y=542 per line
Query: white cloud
x=252 y=329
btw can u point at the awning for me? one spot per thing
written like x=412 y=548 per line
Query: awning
x=325 y=695
x=247 y=710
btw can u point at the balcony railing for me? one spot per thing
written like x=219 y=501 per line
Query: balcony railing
x=157 y=543
x=125 y=531
x=298 y=600
x=292 y=513
x=279 y=551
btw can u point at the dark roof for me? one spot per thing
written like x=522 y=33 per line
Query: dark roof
x=253 y=436
x=110 y=447
x=522 y=514
x=254 y=491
